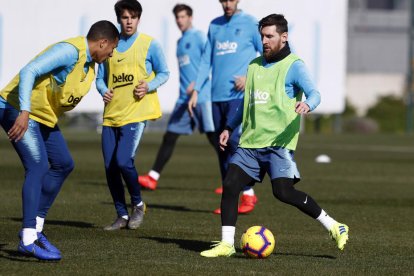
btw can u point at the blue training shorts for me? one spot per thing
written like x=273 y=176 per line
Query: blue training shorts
x=275 y=161
x=182 y=123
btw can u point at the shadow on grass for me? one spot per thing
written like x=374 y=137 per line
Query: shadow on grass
x=288 y=254
x=77 y=224
x=13 y=255
x=93 y=183
x=191 y=245
x=176 y=208
x=306 y=255
x=167 y=207
x=171 y=188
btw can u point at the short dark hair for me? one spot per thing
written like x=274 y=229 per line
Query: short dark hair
x=103 y=29
x=182 y=7
x=130 y=5
x=274 y=19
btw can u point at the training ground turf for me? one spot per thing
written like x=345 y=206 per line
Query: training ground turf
x=369 y=185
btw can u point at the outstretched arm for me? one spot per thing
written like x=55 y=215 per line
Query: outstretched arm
x=61 y=55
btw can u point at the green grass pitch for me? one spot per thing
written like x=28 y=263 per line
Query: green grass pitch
x=369 y=185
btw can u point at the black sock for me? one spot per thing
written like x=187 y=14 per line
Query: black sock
x=165 y=151
x=284 y=191
x=236 y=179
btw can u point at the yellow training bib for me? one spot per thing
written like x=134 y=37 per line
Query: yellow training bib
x=49 y=100
x=125 y=70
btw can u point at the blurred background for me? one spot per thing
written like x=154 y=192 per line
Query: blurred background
x=357 y=51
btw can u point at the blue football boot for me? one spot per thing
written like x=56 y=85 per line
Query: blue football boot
x=42 y=239
x=38 y=251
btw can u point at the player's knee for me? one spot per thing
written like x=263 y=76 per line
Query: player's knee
x=283 y=196
x=39 y=168
x=170 y=137
x=283 y=189
x=230 y=186
x=125 y=164
x=66 y=166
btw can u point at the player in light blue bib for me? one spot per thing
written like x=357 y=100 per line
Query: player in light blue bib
x=233 y=41
x=189 y=50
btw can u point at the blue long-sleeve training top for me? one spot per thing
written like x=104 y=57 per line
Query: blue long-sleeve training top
x=190 y=48
x=58 y=60
x=154 y=61
x=231 y=45
x=297 y=79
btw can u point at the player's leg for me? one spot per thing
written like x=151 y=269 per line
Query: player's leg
x=125 y=155
x=219 y=120
x=150 y=180
x=213 y=140
x=110 y=139
x=233 y=184
x=228 y=109
x=61 y=164
x=180 y=123
x=32 y=153
x=283 y=172
x=204 y=122
x=165 y=152
x=283 y=189
x=248 y=199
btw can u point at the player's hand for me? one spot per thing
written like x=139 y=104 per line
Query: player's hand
x=19 y=127
x=239 y=83
x=190 y=88
x=192 y=102
x=224 y=137
x=107 y=97
x=301 y=108
x=141 y=89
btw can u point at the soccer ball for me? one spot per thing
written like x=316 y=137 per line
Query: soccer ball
x=257 y=242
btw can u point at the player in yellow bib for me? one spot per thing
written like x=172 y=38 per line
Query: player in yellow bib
x=128 y=83
x=270 y=129
x=52 y=83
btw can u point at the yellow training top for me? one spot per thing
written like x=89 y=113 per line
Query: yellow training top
x=125 y=70
x=49 y=100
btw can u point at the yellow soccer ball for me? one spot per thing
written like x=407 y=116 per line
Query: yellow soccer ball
x=257 y=242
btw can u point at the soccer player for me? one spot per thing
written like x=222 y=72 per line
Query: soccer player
x=128 y=82
x=270 y=122
x=189 y=50
x=52 y=83
x=233 y=41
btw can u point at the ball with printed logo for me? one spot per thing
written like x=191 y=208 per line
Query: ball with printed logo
x=257 y=242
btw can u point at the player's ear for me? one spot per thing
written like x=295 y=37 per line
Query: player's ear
x=284 y=37
x=103 y=43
